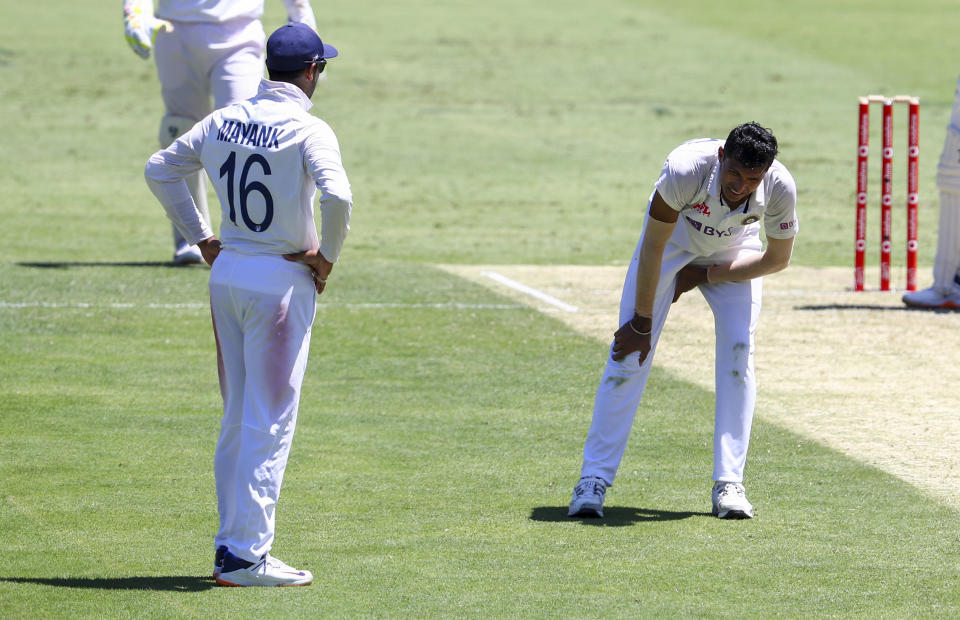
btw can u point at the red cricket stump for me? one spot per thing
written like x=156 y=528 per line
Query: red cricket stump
x=913 y=193
x=886 y=195
x=863 y=151
x=886 y=188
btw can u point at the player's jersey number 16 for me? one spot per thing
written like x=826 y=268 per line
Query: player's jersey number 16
x=244 y=189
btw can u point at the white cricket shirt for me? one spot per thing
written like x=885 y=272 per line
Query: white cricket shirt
x=266 y=157
x=690 y=184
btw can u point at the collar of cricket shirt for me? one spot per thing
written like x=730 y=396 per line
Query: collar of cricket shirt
x=285 y=90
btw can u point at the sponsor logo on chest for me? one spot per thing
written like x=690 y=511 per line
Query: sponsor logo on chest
x=711 y=231
x=703 y=221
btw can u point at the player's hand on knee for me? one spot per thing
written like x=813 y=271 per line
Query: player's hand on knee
x=209 y=249
x=689 y=278
x=141 y=27
x=634 y=335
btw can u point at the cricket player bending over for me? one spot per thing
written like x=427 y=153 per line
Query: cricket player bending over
x=702 y=230
x=266 y=157
x=203 y=48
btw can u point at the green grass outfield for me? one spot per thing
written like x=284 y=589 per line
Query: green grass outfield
x=441 y=425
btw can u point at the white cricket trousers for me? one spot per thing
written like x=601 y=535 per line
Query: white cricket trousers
x=946 y=264
x=263 y=309
x=199 y=60
x=736 y=310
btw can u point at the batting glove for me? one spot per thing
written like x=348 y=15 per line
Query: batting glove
x=141 y=27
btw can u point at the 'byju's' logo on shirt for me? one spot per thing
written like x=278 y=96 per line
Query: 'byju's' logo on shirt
x=710 y=230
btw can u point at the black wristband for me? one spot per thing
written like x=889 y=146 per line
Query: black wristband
x=636 y=327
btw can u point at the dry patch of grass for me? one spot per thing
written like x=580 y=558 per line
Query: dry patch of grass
x=856 y=371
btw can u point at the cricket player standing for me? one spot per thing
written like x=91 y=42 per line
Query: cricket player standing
x=266 y=157
x=945 y=292
x=203 y=48
x=702 y=230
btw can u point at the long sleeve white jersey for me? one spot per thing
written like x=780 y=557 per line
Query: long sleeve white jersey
x=266 y=157
x=219 y=11
x=690 y=184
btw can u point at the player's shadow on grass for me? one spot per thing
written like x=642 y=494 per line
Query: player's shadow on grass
x=68 y=265
x=613 y=516
x=171 y=583
x=816 y=308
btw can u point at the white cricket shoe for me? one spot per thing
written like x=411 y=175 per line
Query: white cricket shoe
x=588 y=497
x=269 y=571
x=730 y=501
x=932 y=298
x=187 y=255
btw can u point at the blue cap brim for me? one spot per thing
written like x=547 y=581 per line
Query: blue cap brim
x=329 y=51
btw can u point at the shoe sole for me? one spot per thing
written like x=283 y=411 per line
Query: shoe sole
x=947 y=305
x=229 y=584
x=187 y=261
x=587 y=511
x=733 y=514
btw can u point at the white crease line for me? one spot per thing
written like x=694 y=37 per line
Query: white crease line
x=198 y=306
x=449 y=304
x=811 y=293
x=82 y=305
x=523 y=288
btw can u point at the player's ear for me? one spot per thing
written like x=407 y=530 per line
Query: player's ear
x=720 y=153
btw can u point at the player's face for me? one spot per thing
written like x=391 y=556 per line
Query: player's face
x=737 y=181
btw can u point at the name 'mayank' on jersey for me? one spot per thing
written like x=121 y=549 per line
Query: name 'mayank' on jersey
x=250 y=134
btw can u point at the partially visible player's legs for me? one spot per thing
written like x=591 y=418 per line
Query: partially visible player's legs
x=947 y=263
x=945 y=292
x=238 y=62
x=279 y=303
x=183 y=252
x=186 y=96
x=228 y=332
x=621 y=388
x=736 y=309
x=615 y=406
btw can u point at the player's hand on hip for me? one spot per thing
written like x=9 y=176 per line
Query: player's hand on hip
x=634 y=335
x=689 y=278
x=209 y=249
x=141 y=27
x=318 y=264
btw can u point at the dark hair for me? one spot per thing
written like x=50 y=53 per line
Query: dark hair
x=284 y=76
x=751 y=145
